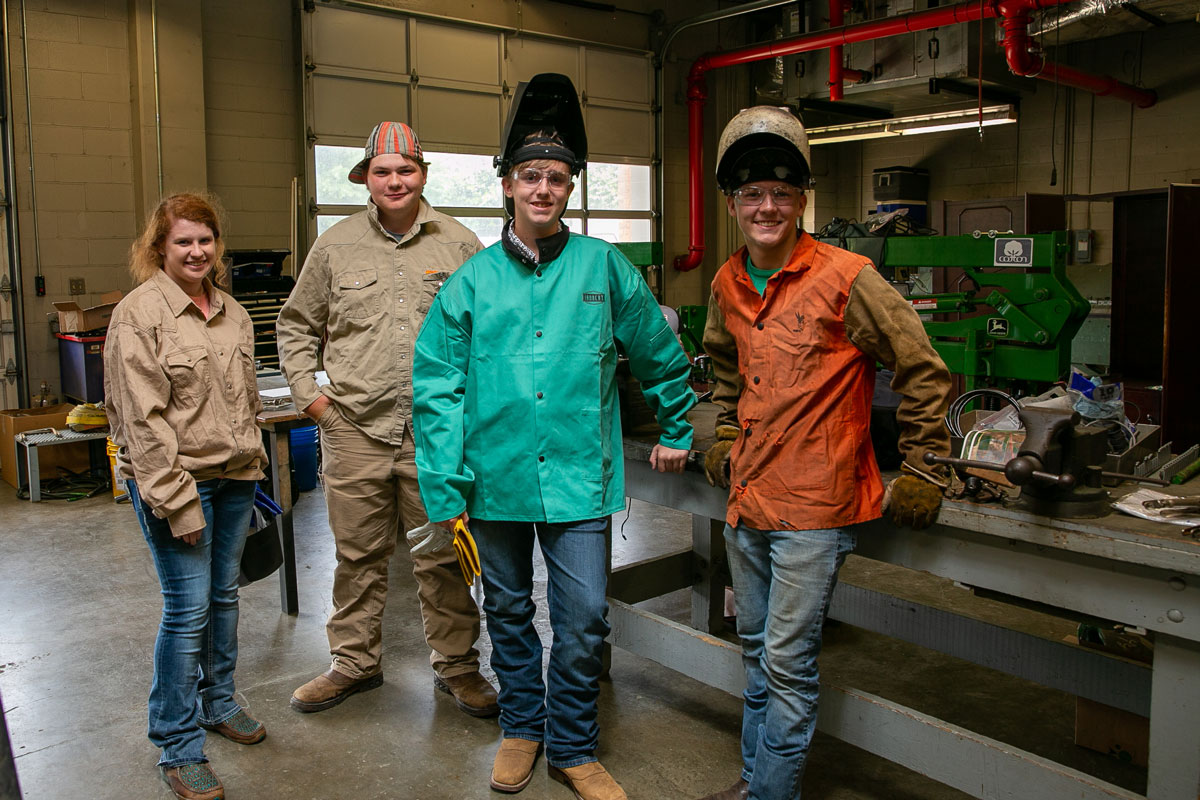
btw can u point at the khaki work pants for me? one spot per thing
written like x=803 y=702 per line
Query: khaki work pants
x=372 y=497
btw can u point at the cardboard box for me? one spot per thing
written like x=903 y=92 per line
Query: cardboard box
x=74 y=457
x=73 y=319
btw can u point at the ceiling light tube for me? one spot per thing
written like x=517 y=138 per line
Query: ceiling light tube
x=961 y=119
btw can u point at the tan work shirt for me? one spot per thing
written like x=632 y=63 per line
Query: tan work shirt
x=367 y=292
x=181 y=396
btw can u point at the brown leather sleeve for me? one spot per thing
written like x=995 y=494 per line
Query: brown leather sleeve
x=722 y=350
x=884 y=325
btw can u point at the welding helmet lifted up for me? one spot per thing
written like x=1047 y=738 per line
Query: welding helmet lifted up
x=548 y=103
x=763 y=143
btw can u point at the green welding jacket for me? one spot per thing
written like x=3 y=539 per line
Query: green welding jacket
x=514 y=390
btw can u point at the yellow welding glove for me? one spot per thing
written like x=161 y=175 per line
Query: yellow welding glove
x=913 y=501
x=468 y=554
x=716 y=460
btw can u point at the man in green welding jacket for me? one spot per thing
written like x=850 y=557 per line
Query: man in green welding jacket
x=518 y=433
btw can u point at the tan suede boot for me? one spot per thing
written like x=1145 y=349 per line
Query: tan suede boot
x=330 y=688
x=471 y=692
x=513 y=767
x=589 y=782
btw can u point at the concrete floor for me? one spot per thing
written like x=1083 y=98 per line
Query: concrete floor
x=79 y=606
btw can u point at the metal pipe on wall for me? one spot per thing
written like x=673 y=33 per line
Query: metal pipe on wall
x=1018 y=47
x=836 y=20
x=16 y=282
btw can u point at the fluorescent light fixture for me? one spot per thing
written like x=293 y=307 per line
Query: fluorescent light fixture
x=962 y=119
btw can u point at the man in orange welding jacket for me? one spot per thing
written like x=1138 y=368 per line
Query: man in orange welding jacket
x=795 y=329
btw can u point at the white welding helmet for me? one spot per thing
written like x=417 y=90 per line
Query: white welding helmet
x=763 y=143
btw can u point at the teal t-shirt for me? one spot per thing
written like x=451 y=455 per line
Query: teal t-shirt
x=759 y=277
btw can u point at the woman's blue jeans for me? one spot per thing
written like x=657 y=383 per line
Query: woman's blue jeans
x=560 y=710
x=196 y=649
x=782 y=581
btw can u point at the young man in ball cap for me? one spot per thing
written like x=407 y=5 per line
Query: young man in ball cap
x=794 y=330
x=358 y=303
x=518 y=434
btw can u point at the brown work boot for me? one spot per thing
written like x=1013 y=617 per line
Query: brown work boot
x=193 y=782
x=513 y=767
x=241 y=728
x=330 y=688
x=739 y=791
x=588 y=781
x=471 y=692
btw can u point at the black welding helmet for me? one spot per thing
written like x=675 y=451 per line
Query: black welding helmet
x=764 y=143
x=546 y=104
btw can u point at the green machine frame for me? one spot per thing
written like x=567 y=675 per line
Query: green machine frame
x=1033 y=310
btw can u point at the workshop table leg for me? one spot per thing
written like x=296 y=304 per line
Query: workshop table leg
x=281 y=486
x=1174 y=772
x=708 y=590
x=34 y=472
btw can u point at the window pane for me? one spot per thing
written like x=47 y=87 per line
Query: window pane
x=574 y=224
x=620 y=230
x=462 y=180
x=486 y=228
x=618 y=187
x=333 y=164
x=326 y=221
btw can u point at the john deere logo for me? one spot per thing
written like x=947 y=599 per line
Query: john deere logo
x=1013 y=253
x=593 y=298
x=997 y=326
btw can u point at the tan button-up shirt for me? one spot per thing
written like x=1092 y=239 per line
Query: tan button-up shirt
x=367 y=292
x=181 y=396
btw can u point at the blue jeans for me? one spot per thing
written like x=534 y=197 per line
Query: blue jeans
x=560 y=710
x=196 y=649
x=783 y=581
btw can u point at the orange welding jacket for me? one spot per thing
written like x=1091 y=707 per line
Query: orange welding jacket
x=795 y=372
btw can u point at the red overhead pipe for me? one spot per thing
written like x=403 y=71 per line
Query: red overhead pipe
x=836 y=19
x=1025 y=58
x=698 y=93
x=1017 y=48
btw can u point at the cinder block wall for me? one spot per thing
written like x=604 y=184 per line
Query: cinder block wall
x=227 y=117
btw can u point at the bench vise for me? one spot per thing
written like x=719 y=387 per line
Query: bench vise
x=1059 y=467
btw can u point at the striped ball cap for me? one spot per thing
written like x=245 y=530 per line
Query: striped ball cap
x=388 y=137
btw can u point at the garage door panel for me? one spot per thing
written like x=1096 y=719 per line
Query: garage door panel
x=453 y=118
x=618 y=76
x=617 y=132
x=360 y=41
x=528 y=57
x=456 y=53
x=348 y=107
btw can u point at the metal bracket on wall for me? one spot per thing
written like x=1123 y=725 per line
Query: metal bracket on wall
x=11 y=372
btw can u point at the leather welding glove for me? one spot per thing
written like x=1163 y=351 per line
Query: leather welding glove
x=716 y=460
x=913 y=501
x=429 y=538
